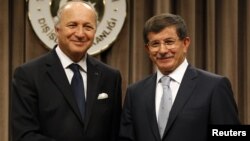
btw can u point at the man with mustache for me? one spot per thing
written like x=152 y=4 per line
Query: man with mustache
x=179 y=101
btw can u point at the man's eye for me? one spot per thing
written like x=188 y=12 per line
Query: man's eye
x=71 y=26
x=88 y=28
x=169 y=42
x=155 y=44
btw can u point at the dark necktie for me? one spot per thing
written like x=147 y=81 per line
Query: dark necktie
x=78 y=88
x=165 y=105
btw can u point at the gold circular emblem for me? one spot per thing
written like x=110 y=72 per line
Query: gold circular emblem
x=111 y=17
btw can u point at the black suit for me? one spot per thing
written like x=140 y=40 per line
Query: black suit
x=44 y=109
x=202 y=99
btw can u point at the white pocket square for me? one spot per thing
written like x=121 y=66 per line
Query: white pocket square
x=102 y=96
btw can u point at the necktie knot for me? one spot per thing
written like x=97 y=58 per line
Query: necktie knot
x=165 y=80
x=74 y=67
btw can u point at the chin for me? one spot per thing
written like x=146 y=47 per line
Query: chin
x=79 y=48
x=166 y=68
x=165 y=64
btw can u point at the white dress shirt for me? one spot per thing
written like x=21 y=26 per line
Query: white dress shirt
x=176 y=78
x=66 y=61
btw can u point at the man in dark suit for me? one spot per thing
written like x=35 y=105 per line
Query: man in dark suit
x=196 y=98
x=44 y=107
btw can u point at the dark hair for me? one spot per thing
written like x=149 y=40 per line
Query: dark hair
x=159 y=22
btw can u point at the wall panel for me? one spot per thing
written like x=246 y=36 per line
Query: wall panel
x=4 y=70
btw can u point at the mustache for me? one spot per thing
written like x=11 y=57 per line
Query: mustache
x=164 y=56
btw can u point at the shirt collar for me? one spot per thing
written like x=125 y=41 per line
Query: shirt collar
x=177 y=74
x=66 y=61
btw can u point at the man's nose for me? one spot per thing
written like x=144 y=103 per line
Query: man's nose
x=80 y=32
x=163 y=48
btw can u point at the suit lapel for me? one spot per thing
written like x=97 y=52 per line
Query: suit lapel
x=149 y=90
x=184 y=93
x=58 y=76
x=93 y=79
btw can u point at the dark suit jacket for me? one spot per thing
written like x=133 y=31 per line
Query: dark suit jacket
x=202 y=99
x=44 y=109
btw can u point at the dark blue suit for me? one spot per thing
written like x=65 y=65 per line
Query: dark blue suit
x=203 y=98
x=44 y=108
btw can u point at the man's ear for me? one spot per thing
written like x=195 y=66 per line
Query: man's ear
x=186 y=44
x=146 y=48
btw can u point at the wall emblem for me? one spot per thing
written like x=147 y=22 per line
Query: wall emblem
x=111 y=17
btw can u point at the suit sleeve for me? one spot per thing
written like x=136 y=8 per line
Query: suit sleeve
x=24 y=109
x=127 y=129
x=223 y=106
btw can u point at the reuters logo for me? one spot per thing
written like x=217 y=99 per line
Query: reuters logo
x=111 y=17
